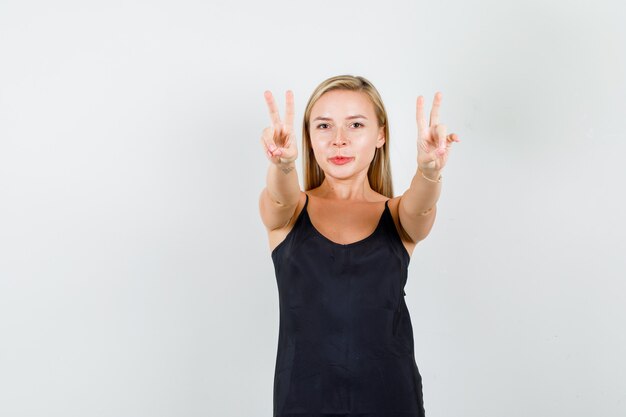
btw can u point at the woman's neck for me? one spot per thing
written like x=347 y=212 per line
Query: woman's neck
x=345 y=190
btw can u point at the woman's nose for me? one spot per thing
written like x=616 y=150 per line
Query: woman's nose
x=340 y=137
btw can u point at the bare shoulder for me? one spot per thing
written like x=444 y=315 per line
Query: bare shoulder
x=276 y=236
x=408 y=243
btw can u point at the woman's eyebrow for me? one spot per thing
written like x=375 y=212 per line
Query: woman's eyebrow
x=322 y=118
x=356 y=116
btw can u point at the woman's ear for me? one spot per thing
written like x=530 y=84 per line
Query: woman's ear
x=381 y=136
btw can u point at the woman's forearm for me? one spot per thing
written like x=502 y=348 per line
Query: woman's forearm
x=422 y=195
x=282 y=183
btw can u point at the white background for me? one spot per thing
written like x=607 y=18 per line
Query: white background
x=135 y=273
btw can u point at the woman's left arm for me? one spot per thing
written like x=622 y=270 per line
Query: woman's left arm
x=417 y=207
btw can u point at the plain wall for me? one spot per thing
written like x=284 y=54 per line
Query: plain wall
x=135 y=272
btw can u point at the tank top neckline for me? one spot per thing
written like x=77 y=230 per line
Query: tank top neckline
x=345 y=245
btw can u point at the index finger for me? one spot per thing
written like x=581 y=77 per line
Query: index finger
x=289 y=112
x=271 y=104
x=421 y=121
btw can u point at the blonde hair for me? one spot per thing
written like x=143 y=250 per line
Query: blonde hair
x=379 y=172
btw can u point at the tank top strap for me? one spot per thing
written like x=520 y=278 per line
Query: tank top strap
x=303 y=213
x=295 y=231
x=387 y=213
x=393 y=235
x=387 y=221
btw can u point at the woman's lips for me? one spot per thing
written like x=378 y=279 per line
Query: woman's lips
x=340 y=160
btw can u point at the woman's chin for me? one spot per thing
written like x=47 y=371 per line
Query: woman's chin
x=342 y=172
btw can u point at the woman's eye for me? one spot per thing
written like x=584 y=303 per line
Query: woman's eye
x=357 y=124
x=322 y=126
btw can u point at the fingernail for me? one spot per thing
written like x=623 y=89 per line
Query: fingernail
x=272 y=148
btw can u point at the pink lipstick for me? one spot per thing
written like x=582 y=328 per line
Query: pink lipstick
x=340 y=160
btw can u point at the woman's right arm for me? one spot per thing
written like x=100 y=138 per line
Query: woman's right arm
x=279 y=199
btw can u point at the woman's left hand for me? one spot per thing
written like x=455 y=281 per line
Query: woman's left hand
x=433 y=145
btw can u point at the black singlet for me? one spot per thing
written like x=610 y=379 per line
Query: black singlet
x=345 y=344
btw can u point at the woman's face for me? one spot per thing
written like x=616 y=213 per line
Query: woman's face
x=343 y=123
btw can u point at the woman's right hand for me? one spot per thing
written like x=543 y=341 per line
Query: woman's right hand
x=279 y=140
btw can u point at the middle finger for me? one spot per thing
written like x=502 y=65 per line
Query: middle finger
x=271 y=104
x=289 y=112
x=434 y=113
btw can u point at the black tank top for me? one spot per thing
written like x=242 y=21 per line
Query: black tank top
x=345 y=343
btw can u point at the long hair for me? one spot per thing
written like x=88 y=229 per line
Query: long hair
x=379 y=172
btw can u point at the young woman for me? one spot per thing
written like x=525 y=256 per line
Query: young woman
x=341 y=250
